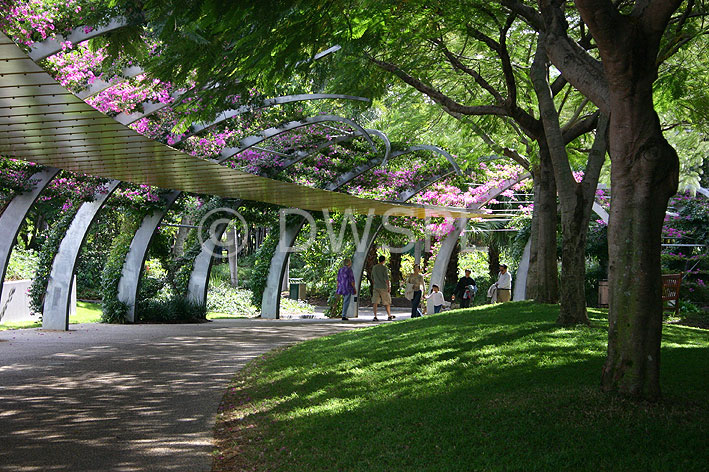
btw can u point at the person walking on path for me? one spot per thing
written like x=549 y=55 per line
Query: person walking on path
x=465 y=290
x=381 y=286
x=504 y=285
x=415 y=285
x=436 y=298
x=346 y=285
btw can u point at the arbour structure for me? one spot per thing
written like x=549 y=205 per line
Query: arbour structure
x=51 y=112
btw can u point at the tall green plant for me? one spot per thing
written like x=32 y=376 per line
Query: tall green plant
x=114 y=311
x=46 y=257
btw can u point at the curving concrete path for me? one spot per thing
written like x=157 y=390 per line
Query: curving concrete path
x=127 y=397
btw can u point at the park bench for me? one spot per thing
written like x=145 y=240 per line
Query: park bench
x=670 y=292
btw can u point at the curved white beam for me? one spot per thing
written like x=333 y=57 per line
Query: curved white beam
x=50 y=46
x=269 y=133
x=15 y=212
x=429 y=147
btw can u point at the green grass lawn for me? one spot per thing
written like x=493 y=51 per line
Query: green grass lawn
x=86 y=312
x=494 y=388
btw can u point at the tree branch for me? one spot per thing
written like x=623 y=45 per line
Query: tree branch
x=657 y=14
x=580 y=128
x=507 y=63
x=596 y=158
x=534 y=19
x=456 y=63
x=452 y=107
x=517 y=157
x=576 y=65
x=565 y=182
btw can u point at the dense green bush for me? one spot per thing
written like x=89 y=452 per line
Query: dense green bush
x=223 y=298
x=150 y=287
x=259 y=273
x=22 y=264
x=172 y=310
x=46 y=257
x=113 y=310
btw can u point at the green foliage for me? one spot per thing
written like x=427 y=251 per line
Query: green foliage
x=150 y=286
x=22 y=264
x=462 y=389
x=114 y=311
x=180 y=268
x=223 y=298
x=46 y=257
x=259 y=274
x=171 y=310
x=296 y=306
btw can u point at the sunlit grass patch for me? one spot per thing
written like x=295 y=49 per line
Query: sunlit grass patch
x=493 y=388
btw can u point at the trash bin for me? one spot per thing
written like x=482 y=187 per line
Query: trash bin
x=297 y=289
x=603 y=293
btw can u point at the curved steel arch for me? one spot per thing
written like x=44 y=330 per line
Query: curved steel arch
x=15 y=213
x=55 y=314
x=432 y=148
x=360 y=256
x=269 y=102
x=50 y=46
x=135 y=259
x=199 y=278
x=451 y=239
x=269 y=133
x=99 y=85
x=151 y=107
x=270 y=302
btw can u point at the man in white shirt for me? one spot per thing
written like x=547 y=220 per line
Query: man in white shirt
x=504 y=285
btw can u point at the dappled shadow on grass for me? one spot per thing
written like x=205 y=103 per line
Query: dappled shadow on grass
x=501 y=388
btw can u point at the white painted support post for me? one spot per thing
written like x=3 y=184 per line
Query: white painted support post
x=55 y=314
x=15 y=213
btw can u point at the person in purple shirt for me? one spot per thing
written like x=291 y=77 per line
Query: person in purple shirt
x=346 y=285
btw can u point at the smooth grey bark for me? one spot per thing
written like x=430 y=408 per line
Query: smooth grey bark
x=644 y=172
x=543 y=280
x=576 y=198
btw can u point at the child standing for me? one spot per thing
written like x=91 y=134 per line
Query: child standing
x=436 y=299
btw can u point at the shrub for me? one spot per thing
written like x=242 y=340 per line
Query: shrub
x=150 y=287
x=172 y=310
x=296 y=306
x=22 y=264
x=223 y=298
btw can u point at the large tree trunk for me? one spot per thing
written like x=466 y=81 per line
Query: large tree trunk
x=645 y=175
x=576 y=198
x=644 y=172
x=493 y=259
x=451 y=277
x=395 y=266
x=542 y=279
x=574 y=230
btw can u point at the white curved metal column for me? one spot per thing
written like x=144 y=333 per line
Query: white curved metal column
x=15 y=213
x=137 y=252
x=440 y=266
x=55 y=314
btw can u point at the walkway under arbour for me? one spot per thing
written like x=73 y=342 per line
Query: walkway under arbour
x=62 y=132
x=126 y=397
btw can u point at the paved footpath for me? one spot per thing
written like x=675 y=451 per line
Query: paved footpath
x=127 y=397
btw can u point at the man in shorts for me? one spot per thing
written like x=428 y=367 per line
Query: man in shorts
x=380 y=288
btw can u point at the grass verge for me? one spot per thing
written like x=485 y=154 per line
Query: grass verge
x=86 y=312
x=494 y=388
